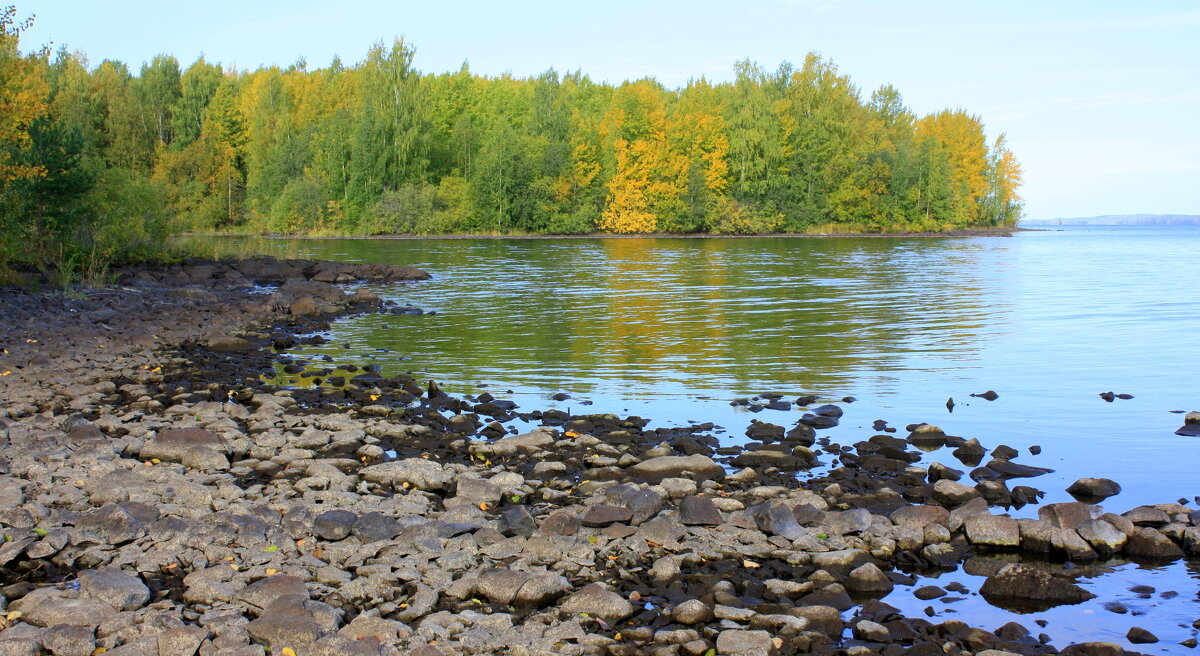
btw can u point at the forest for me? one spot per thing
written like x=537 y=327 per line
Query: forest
x=99 y=162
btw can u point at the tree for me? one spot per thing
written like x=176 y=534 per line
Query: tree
x=22 y=98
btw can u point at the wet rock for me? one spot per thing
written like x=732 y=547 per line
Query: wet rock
x=759 y=430
x=597 y=601
x=656 y=469
x=116 y=587
x=970 y=452
x=925 y=593
x=1139 y=636
x=938 y=471
x=1149 y=543
x=987 y=396
x=1146 y=516
x=1009 y=469
x=1191 y=425
x=1094 y=488
x=1093 y=649
x=1020 y=583
x=871 y=631
x=699 y=511
x=833 y=595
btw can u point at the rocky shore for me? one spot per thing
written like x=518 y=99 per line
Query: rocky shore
x=160 y=494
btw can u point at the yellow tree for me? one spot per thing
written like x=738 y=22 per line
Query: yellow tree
x=23 y=98
x=961 y=137
x=646 y=175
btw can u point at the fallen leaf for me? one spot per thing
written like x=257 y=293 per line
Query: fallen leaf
x=288 y=651
x=271 y=548
x=272 y=571
x=750 y=564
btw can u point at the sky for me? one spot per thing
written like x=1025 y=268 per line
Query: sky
x=1098 y=99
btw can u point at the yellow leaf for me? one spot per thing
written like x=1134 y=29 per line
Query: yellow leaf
x=288 y=651
x=16 y=614
x=750 y=564
x=272 y=572
x=6 y=373
x=374 y=397
x=234 y=567
x=156 y=461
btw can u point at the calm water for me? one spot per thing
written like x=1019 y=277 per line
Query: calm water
x=673 y=329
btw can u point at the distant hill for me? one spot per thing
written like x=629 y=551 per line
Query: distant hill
x=1121 y=219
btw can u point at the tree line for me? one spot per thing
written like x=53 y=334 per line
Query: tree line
x=379 y=147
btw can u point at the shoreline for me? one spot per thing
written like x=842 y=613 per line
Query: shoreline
x=197 y=503
x=972 y=232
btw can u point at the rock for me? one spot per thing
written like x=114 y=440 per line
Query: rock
x=1149 y=543
x=375 y=526
x=871 y=631
x=987 y=396
x=920 y=516
x=204 y=458
x=927 y=436
x=1105 y=538
x=474 y=491
x=520 y=588
x=699 y=511
x=642 y=503
x=1191 y=425
x=841 y=561
x=1146 y=516
x=73 y=612
x=1094 y=488
x=758 y=430
x=952 y=493
x=112 y=523
x=602 y=515
x=118 y=588
x=1018 y=583
x=597 y=601
x=656 y=469
x=66 y=640
x=925 y=593
x=173 y=444
x=517 y=521
x=181 y=640
x=1069 y=515
x=228 y=344
x=294 y=629
x=869 y=579
x=692 y=611
x=778 y=519
x=561 y=522
x=415 y=472
x=1139 y=636
x=736 y=642
x=1093 y=649
x=664 y=570
x=993 y=531
x=334 y=525
x=259 y=595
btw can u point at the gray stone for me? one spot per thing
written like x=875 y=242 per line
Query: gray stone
x=295 y=629
x=736 y=642
x=181 y=640
x=656 y=469
x=474 y=491
x=1149 y=543
x=412 y=472
x=121 y=589
x=517 y=521
x=778 y=519
x=259 y=595
x=1069 y=515
x=66 y=640
x=334 y=524
x=1105 y=538
x=73 y=612
x=699 y=511
x=642 y=503
x=952 y=493
x=871 y=631
x=375 y=526
x=869 y=579
x=561 y=522
x=1094 y=488
x=920 y=516
x=1024 y=583
x=173 y=444
x=601 y=515
x=993 y=531
x=597 y=601
x=112 y=523
x=204 y=458
x=692 y=611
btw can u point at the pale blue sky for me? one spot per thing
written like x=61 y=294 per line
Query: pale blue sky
x=1099 y=99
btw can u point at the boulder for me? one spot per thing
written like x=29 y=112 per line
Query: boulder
x=698 y=466
x=1020 y=583
x=597 y=601
x=1093 y=488
x=415 y=472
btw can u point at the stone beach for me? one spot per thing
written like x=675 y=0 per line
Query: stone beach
x=163 y=493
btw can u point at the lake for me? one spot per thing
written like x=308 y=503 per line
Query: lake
x=674 y=329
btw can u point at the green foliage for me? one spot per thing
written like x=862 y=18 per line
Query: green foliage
x=98 y=164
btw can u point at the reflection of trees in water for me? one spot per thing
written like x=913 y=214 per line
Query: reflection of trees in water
x=787 y=314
